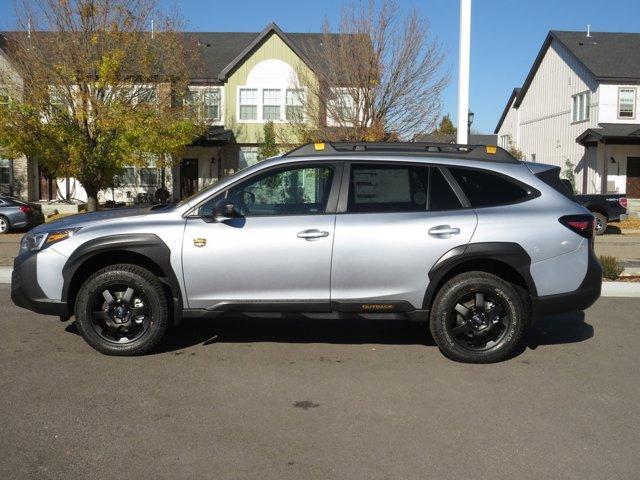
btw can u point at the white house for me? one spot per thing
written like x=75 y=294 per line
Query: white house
x=578 y=109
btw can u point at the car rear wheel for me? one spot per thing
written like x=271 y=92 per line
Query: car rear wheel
x=601 y=223
x=478 y=318
x=122 y=310
x=5 y=226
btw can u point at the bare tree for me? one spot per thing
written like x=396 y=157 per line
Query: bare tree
x=379 y=76
x=96 y=90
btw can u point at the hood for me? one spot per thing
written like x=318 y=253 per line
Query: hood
x=81 y=219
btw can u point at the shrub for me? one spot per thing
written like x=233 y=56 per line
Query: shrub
x=611 y=268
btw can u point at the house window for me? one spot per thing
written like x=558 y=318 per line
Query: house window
x=147 y=95
x=211 y=101
x=294 y=109
x=271 y=104
x=128 y=176
x=5 y=171
x=626 y=103
x=248 y=156
x=4 y=99
x=504 y=141
x=341 y=108
x=580 y=106
x=149 y=176
x=248 y=104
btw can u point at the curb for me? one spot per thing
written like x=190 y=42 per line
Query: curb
x=609 y=289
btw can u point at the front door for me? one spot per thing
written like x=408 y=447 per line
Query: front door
x=399 y=220
x=633 y=177
x=278 y=251
x=188 y=177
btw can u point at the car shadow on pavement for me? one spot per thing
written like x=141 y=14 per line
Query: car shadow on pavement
x=234 y=328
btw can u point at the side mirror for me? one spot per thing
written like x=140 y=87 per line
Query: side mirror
x=224 y=210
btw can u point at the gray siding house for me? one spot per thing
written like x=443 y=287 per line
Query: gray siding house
x=578 y=109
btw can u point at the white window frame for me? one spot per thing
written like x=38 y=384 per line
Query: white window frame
x=504 y=141
x=277 y=104
x=633 y=104
x=581 y=107
x=200 y=91
x=302 y=96
x=260 y=99
x=257 y=105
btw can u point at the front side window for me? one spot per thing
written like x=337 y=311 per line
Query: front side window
x=248 y=104
x=626 y=103
x=580 y=106
x=291 y=191
x=485 y=189
x=271 y=104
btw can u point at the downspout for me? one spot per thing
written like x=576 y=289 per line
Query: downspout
x=605 y=168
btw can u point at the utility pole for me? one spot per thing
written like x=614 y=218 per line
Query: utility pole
x=463 y=71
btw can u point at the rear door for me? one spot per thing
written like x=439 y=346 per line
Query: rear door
x=394 y=222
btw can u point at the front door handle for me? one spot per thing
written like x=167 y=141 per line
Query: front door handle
x=312 y=233
x=443 y=231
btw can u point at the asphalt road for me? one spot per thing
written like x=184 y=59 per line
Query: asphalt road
x=239 y=398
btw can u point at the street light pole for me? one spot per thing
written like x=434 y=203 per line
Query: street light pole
x=463 y=71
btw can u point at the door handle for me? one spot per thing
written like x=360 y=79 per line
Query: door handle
x=443 y=231
x=312 y=233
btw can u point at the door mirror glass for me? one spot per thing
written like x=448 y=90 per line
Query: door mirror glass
x=223 y=210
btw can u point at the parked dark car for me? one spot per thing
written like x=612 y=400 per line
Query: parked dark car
x=606 y=208
x=15 y=214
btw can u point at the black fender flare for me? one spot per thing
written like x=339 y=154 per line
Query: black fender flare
x=509 y=253
x=145 y=244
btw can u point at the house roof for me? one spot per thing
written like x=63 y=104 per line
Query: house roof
x=220 y=52
x=609 y=56
x=474 y=139
x=611 y=132
x=507 y=107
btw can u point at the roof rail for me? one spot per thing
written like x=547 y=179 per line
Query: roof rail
x=471 y=152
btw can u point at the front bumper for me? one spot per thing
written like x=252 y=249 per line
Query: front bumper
x=580 y=299
x=25 y=291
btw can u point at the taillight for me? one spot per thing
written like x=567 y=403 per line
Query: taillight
x=25 y=209
x=623 y=201
x=583 y=225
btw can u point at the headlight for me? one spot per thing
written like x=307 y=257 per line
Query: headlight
x=37 y=241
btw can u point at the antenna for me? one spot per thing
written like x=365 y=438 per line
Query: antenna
x=152 y=30
x=588 y=30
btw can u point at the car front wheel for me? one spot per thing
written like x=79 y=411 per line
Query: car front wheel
x=122 y=310
x=478 y=318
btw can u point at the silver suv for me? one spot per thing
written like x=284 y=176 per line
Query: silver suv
x=466 y=238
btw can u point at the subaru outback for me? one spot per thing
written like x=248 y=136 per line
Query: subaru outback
x=465 y=238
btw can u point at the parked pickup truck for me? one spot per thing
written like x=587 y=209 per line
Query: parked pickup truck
x=605 y=207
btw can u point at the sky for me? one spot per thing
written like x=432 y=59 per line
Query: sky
x=506 y=35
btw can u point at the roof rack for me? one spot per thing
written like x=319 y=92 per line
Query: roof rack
x=471 y=152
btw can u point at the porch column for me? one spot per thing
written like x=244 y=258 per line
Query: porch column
x=605 y=169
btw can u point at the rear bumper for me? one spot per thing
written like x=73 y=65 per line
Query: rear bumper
x=25 y=291
x=580 y=299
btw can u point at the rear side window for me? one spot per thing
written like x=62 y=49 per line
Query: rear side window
x=441 y=196
x=484 y=189
x=387 y=188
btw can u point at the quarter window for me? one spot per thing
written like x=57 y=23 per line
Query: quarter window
x=626 y=103
x=441 y=196
x=485 y=189
x=248 y=104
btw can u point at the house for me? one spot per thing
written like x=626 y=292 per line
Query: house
x=578 y=109
x=246 y=79
x=474 y=139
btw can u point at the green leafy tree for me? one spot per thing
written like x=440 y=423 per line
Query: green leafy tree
x=568 y=173
x=268 y=147
x=515 y=151
x=446 y=126
x=92 y=91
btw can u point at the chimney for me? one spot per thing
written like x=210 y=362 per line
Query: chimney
x=588 y=30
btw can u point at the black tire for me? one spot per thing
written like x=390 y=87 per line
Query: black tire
x=477 y=307
x=601 y=223
x=5 y=225
x=97 y=326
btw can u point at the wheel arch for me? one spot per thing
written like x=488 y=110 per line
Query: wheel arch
x=506 y=260
x=144 y=250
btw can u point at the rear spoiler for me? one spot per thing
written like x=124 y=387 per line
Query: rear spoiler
x=550 y=174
